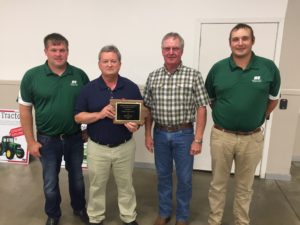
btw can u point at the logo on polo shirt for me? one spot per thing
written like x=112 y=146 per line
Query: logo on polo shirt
x=256 y=79
x=74 y=83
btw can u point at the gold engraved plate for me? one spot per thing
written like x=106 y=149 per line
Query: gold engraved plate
x=129 y=111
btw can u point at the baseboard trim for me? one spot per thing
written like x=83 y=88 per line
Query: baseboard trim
x=296 y=158
x=144 y=165
x=274 y=176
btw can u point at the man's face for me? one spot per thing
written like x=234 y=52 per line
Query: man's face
x=241 y=43
x=57 y=54
x=109 y=64
x=172 y=52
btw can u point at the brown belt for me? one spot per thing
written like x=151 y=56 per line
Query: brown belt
x=173 y=128
x=238 y=132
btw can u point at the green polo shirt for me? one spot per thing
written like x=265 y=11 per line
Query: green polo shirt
x=53 y=97
x=241 y=96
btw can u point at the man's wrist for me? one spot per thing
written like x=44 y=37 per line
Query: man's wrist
x=199 y=141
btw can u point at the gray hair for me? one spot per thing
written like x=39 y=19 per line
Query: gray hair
x=110 y=48
x=173 y=35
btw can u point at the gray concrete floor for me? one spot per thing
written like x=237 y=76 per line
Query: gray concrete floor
x=21 y=198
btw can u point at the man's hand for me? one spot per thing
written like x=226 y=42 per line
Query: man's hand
x=196 y=148
x=34 y=149
x=149 y=143
x=131 y=126
x=108 y=111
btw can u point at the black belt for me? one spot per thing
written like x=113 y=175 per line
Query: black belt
x=59 y=136
x=111 y=145
x=238 y=132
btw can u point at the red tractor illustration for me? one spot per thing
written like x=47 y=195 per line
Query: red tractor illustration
x=10 y=148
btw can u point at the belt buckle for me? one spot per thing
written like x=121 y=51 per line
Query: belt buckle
x=172 y=128
x=169 y=128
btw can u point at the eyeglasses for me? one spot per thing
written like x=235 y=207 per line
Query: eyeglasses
x=174 y=49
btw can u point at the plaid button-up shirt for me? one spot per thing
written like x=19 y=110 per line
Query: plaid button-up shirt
x=174 y=98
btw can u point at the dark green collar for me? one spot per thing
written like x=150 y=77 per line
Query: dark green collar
x=48 y=71
x=252 y=64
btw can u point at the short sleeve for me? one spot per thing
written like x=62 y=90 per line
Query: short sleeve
x=25 y=94
x=275 y=84
x=209 y=84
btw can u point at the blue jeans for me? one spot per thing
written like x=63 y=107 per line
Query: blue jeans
x=169 y=146
x=52 y=151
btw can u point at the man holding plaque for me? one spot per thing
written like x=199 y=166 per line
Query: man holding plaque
x=174 y=94
x=110 y=145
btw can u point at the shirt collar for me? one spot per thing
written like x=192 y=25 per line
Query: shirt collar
x=48 y=71
x=252 y=64
x=120 y=83
x=177 y=69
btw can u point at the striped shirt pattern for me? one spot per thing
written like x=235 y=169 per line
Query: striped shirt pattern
x=174 y=98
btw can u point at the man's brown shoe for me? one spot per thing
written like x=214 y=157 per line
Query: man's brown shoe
x=181 y=223
x=162 y=221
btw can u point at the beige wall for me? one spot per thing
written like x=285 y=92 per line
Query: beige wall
x=289 y=60
x=137 y=34
x=284 y=143
x=8 y=94
x=296 y=149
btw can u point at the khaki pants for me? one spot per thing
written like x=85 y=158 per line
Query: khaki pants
x=246 y=151
x=101 y=160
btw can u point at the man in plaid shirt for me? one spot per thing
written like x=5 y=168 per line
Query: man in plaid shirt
x=175 y=95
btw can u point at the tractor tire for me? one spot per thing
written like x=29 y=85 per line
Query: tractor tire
x=20 y=153
x=9 y=154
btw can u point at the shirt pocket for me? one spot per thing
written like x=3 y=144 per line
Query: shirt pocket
x=184 y=94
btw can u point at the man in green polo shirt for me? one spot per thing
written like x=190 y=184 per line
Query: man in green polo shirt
x=52 y=89
x=244 y=90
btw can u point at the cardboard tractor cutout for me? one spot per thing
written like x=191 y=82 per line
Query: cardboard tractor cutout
x=10 y=148
x=13 y=146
